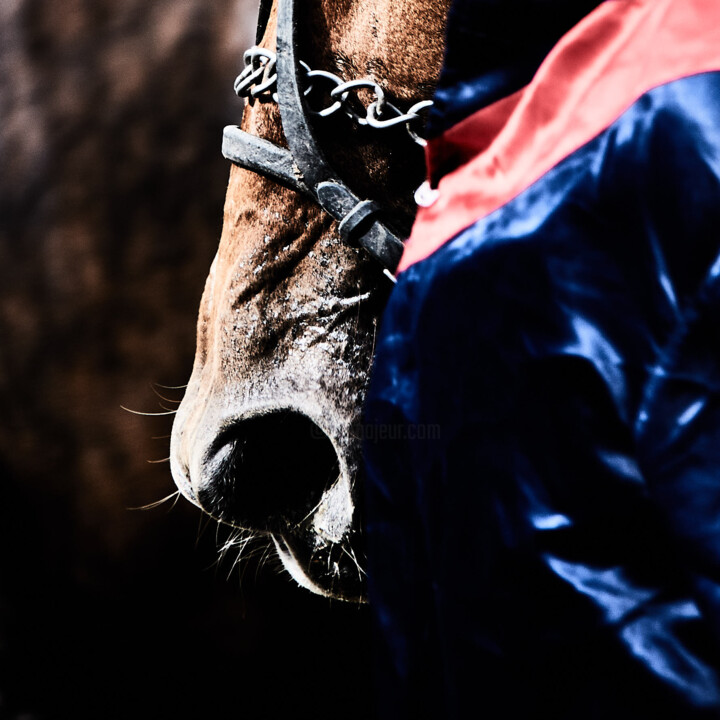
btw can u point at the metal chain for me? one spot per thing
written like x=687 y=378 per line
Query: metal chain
x=259 y=79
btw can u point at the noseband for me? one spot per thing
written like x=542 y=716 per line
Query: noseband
x=303 y=166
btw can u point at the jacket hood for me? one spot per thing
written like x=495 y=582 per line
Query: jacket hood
x=493 y=49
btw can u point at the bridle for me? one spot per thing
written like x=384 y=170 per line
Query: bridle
x=303 y=166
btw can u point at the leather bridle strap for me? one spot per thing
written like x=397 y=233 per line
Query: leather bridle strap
x=303 y=166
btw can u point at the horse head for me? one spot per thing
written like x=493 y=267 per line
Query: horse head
x=267 y=437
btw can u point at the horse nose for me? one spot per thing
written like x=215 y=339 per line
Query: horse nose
x=268 y=472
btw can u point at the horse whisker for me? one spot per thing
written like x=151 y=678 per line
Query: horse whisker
x=162 y=397
x=157 y=503
x=148 y=414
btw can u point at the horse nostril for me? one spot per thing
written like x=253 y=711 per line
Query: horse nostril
x=269 y=471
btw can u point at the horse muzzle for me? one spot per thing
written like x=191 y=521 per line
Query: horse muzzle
x=276 y=472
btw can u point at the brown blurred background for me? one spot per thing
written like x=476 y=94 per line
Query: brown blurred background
x=111 y=191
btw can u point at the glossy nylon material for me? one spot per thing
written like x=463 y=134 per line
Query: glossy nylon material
x=544 y=513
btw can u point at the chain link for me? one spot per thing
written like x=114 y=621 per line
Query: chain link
x=259 y=79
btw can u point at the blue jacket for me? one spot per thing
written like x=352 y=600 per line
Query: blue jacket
x=543 y=490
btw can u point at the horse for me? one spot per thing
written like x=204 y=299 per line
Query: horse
x=267 y=437
x=558 y=547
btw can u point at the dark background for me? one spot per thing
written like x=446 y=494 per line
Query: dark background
x=111 y=191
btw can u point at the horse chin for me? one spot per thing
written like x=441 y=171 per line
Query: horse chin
x=329 y=570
